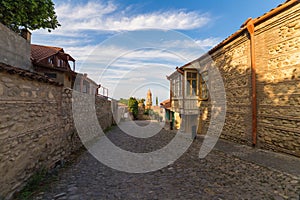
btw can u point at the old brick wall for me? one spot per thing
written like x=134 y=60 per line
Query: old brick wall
x=233 y=63
x=36 y=126
x=277 y=49
x=278 y=78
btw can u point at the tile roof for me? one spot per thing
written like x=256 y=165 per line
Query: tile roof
x=258 y=20
x=39 y=52
x=166 y=104
x=276 y=10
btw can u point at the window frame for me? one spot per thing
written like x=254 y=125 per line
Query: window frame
x=51 y=75
x=189 y=82
x=176 y=86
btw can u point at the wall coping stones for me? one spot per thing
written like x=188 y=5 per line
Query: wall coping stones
x=27 y=74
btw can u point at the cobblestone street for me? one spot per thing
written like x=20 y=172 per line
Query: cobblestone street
x=230 y=171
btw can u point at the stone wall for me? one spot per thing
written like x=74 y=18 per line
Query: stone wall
x=14 y=50
x=36 y=126
x=233 y=63
x=277 y=49
x=278 y=78
x=104 y=111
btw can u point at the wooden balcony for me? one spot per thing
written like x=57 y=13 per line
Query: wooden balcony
x=186 y=106
x=190 y=106
x=177 y=105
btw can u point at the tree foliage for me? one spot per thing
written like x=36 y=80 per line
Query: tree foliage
x=124 y=101
x=28 y=14
x=141 y=100
x=133 y=107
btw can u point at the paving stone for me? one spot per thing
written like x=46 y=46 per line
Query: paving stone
x=59 y=195
x=222 y=174
x=74 y=197
x=72 y=189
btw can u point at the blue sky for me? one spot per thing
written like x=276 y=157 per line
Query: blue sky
x=130 y=46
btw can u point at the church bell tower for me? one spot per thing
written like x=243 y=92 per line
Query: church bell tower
x=149 y=100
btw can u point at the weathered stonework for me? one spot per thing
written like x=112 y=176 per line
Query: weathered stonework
x=36 y=126
x=278 y=78
x=233 y=63
x=277 y=45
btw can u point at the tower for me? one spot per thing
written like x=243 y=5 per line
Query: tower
x=149 y=100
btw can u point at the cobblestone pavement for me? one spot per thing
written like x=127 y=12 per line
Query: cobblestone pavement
x=226 y=173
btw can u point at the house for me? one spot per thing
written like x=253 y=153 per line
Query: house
x=255 y=75
x=85 y=85
x=54 y=63
x=171 y=119
x=187 y=88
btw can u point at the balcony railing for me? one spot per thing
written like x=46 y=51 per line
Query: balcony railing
x=190 y=106
x=186 y=106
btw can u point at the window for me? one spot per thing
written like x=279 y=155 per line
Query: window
x=51 y=75
x=173 y=83
x=177 y=84
x=86 y=87
x=50 y=60
x=191 y=83
x=60 y=63
x=203 y=89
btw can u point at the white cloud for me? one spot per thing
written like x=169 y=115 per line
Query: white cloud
x=123 y=57
x=137 y=79
x=178 y=19
x=108 y=17
x=82 y=12
x=137 y=65
x=208 y=42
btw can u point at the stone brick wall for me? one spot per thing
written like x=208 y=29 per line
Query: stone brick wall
x=233 y=63
x=277 y=49
x=14 y=50
x=104 y=112
x=278 y=79
x=36 y=126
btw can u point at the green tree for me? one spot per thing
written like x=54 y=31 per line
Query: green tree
x=123 y=101
x=156 y=101
x=133 y=107
x=141 y=100
x=28 y=14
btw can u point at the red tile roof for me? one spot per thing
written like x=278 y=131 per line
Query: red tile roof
x=258 y=20
x=39 y=52
x=166 y=104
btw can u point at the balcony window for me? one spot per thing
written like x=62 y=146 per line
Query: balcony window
x=177 y=84
x=191 y=83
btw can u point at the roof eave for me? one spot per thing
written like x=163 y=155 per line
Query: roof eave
x=256 y=21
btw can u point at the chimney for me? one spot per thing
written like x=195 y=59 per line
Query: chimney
x=26 y=35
